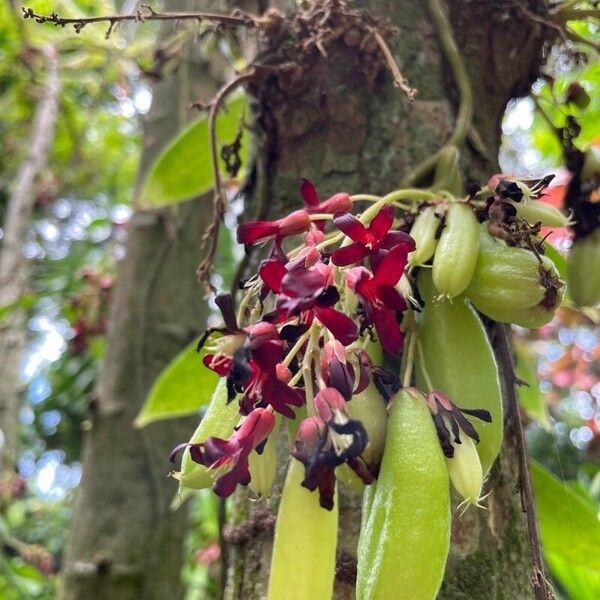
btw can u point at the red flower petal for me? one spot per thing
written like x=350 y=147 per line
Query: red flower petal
x=388 y=330
x=303 y=283
x=343 y=328
x=272 y=272
x=256 y=231
x=349 y=254
x=391 y=266
x=352 y=227
x=382 y=222
x=393 y=238
x=309 y=193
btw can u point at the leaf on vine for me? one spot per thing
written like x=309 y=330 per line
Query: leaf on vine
x=183 y=170
x=184 y=386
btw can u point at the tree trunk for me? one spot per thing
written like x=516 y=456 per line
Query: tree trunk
x=125 y=542
x=329 y=123
x=13 y=264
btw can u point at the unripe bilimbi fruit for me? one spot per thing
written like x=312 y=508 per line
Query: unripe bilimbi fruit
x=535 y=211
x=456 y=252
x=263 y=466
x=219 y=421
x=508 y=278
x=583 y=270
x=460 y=362
x=465 y=470
x=404 y=540
x=303 y=561
x=423 y=232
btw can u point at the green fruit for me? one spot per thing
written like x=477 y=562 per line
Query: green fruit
x=461 y=363
x=219 y=421
x=583 y=270
x=530 y=318
x=405 y=539
x=456 y=252
x=263 y=466
x=303 y=561
x=423 y=232
x=540 y=212
x=512 y=278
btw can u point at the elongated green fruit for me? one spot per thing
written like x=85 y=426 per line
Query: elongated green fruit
x=405 y=540
x=460 y=362
x=303 y=561
x=423 y=232
x=456 y=252
x=531 y=317
x=583 y=270
x=535 y=211
x=507 y=278
x=369 y=408
x=263 y=466
x=219 y=421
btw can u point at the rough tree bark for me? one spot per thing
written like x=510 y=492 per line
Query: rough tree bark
x=125 y=542
x=328 y=123
x=13 y=264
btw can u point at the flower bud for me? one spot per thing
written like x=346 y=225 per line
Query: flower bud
x=465 y=470
x=456 y=252
x=423 y=232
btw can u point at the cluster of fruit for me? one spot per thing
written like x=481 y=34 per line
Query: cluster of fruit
x=406 y=278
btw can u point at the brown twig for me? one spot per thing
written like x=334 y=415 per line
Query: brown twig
x=235 y=19
x=541 y=588
x=211 y=237
x=399 y=79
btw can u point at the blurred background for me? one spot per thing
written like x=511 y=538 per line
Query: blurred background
x=82 y=202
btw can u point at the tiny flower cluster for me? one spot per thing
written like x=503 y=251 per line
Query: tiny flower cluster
x=299 y=344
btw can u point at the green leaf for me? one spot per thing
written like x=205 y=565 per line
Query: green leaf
x=580 y=583
x=568 y=526
x=184 y=386
x=531 y=399
x=183 y=170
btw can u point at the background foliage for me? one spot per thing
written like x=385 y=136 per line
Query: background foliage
x=83 y=202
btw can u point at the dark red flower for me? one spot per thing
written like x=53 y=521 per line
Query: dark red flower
x=380 y=298
x=249 y=359
x=326 y=441
x=311 y=290
x=335 y=204
x=447 y=414
x=368 y=240
x=339 y=373
x=261 y=231
x=216 y=453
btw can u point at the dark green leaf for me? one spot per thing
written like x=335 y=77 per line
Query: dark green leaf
x=183 y=170
x=183 y=387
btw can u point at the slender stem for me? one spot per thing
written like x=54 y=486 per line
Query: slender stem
x=576 y=14
x=235 y=19
x=211 y=236
x=399 y=79
x=410 y=361
x=321 y=217
x=465 y=108
x=580 y=39
x=403 y=194
x=541 y=588
x=296 y=348
x=367 y=197
x=423 y=366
